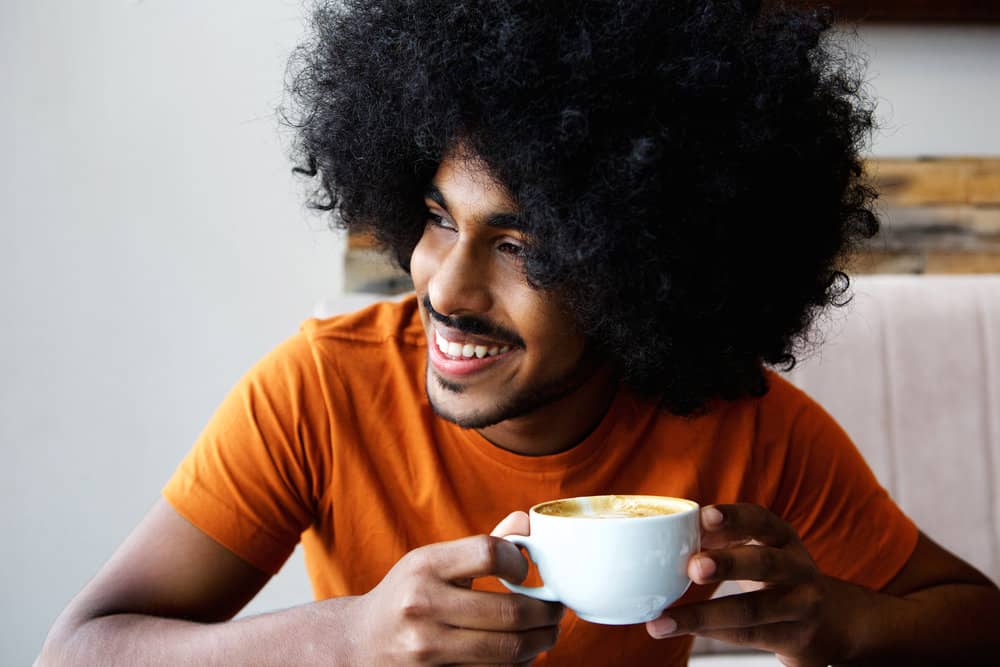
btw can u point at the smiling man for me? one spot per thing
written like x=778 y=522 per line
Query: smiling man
x=511 y=361
x=617 y=216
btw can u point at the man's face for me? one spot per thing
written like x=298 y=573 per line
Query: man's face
x=497 y=348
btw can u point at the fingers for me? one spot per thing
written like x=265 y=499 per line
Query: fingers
x=749 y=543
x=515 y=523
x=472 y=557
x=753 y=563
x=770 y=550
x=421 y=613
x=431 y=593
x=773 y=637
x=484 y=610
x=501 y=647
x=464 y=646
x=737 y=614
x=739 y=523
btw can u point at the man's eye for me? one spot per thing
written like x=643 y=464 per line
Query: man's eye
x=438 y=221
x=509 y=248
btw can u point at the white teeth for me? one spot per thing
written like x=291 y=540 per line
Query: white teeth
x=467 y=350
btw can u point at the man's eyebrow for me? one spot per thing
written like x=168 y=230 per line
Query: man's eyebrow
x=511 y=221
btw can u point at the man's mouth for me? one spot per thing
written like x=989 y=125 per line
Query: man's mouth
x=455 y=353
x=468 y=348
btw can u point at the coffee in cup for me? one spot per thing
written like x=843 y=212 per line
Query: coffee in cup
x=613 y=559
x=611 y=507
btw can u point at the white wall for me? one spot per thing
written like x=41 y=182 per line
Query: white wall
x=937 y=87
x=153 y=246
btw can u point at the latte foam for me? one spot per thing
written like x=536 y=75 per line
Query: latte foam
x=614 y=507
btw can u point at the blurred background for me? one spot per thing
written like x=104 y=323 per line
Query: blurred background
x=154 y=243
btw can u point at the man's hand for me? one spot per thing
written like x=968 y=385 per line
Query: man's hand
x=423 y=611
x=142 y=608
x=792 y=610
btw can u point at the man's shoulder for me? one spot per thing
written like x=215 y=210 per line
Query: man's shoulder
x=376 y=324
x=788 y=408
x=782 y=408
x=781 y=390
x=782 y=402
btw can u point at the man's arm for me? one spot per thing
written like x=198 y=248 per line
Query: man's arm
x=937 y=610
x=160 y=599
x=163 y=598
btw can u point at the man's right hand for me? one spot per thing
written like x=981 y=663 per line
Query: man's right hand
x=424 y=612
x=162 y=597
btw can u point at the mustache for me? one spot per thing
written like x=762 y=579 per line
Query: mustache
x=474 y=326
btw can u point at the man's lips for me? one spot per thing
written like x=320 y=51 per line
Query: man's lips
x=464 y=355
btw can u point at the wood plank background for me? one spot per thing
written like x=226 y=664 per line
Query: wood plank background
x=939 y=215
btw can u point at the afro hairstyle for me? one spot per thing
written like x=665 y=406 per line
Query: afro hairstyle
x=688 y=170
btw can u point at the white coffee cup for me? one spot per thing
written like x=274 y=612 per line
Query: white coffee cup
x=616 y=559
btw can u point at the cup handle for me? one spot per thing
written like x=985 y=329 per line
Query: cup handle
x=538 y=592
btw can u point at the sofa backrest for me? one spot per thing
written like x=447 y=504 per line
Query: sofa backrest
x=911 y=370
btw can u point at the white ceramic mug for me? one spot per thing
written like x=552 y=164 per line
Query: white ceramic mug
x=610 y=566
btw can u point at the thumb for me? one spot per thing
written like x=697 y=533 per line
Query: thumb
x=515 y=523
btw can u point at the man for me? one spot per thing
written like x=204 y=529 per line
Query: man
x=615 y=214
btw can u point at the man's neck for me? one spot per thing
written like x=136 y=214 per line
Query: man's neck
x=559 y=425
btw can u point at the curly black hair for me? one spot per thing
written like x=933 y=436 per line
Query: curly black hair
x=689 y=170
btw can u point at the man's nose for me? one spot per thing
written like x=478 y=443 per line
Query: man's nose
x=460 y=284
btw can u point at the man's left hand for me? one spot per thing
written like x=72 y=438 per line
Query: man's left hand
x=792 y=609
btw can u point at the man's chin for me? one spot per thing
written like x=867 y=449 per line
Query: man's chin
x=473 y=420
x=453 y=403
x=472 y=409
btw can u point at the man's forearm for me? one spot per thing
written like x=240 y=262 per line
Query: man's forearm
x=946 y=624
x=315 y=633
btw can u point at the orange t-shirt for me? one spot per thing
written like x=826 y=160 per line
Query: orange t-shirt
x=330 y=439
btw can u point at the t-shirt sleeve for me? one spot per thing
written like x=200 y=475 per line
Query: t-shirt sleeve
x=827 y=492
x=251 y=480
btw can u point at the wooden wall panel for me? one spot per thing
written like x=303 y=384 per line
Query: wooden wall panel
x=933 y=181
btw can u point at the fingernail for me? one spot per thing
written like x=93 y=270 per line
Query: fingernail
x=711 y=516
x=705 y=567
x=662 y=626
